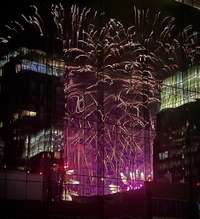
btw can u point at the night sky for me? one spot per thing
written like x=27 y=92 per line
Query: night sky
x=120 y=9
x=115 y=8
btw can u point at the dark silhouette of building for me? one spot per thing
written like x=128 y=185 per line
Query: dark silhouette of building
x=32 y=109
x=177 y=144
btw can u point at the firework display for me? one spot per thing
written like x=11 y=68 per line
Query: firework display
x=112 y=84
x=112 y=80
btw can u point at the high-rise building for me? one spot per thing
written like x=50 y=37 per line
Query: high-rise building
x=193 y=3
x=31 y=114
x=177 y=144
x=109 y=94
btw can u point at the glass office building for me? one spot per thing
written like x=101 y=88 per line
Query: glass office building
x=193 y=3
x=181 y=88
x=176 y=148
x=32 y=106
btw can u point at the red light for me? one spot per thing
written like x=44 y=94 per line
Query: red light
x=65 y=166
x=41 y=173
x=198 y=184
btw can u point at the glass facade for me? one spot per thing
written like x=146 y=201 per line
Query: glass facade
x=44 y=141
x=181 y=88
x=31 y=122
x=41 y=68
x=176 y=152
x=193 y=3
x=35 y=61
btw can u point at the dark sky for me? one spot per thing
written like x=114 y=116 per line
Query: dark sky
x=11 y=8
x=120 y=9
x=115 y=8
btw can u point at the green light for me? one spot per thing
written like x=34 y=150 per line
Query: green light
x=181 y=88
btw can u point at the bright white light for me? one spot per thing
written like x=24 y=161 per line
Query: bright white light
x=69 y=172
x=142 y=176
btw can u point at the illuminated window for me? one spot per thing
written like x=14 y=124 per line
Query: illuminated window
x=42 y=68
x=28 y=113
x=193 y=3
x=1 y=72
x=31 y=113
x=163 y=155
x=43 y=142
x=24 y=113
x=57 y=155
x=18 y=68
x=1 y=124
x=181 y=88
x=16 y=116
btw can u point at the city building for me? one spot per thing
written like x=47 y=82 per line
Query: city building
x=108 y=131
x=193 y=3
x=177 y=143
x=31 y=113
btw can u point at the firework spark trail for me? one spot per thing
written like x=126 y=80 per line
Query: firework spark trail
x=133 y=61
x=133 y=58
x=113 y=72
x=17 y=27
x=130 y=56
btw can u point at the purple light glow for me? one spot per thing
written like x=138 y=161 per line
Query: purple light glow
x=108 y=117
x=112 y=84
x=112 y=81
